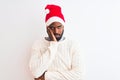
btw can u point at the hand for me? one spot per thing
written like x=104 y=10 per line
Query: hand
x=40 y=78
x=51 y=35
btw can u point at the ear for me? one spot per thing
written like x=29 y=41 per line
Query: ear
x=46 y=27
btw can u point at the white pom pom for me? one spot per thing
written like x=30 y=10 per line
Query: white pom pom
x=47 y=11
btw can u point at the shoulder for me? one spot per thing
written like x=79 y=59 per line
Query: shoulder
x=72 y=41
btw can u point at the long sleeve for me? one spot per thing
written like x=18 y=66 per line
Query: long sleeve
x=75 y=73
x=40 y=60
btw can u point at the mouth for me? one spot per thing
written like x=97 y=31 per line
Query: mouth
x=57 y=35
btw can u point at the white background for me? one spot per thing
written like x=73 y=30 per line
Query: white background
x=95 y=23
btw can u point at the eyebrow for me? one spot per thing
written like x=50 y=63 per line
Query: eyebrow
x=53 y=26
x=59 y=26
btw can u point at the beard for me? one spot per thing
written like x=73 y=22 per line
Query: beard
x=58 y=36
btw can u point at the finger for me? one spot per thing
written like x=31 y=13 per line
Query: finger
x=51 y=34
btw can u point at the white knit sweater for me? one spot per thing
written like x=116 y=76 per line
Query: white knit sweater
x=61 y=60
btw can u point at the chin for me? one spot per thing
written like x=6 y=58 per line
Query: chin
x=58 y=38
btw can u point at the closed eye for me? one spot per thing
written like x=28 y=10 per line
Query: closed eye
x=59 y=26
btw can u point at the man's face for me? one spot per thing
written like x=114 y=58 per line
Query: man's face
x=57 y=29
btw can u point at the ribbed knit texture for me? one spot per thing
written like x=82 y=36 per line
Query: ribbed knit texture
x=61 y=60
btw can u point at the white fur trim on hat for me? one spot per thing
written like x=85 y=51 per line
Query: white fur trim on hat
x=47 y=11
x=54 y=19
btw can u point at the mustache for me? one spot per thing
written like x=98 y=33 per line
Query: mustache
x=56 y=34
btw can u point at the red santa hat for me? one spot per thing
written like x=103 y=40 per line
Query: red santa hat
x=53 y=14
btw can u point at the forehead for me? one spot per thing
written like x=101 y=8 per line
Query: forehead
x=56 y=24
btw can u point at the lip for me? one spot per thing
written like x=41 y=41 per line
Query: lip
x=57 y=35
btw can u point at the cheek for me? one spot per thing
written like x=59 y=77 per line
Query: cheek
x=61 y=31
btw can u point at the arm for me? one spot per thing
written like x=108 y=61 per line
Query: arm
x=76 y=71
x=39 y=61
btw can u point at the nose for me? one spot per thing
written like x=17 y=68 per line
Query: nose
x=56 y=30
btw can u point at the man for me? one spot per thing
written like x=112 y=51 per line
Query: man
x=56 y=57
